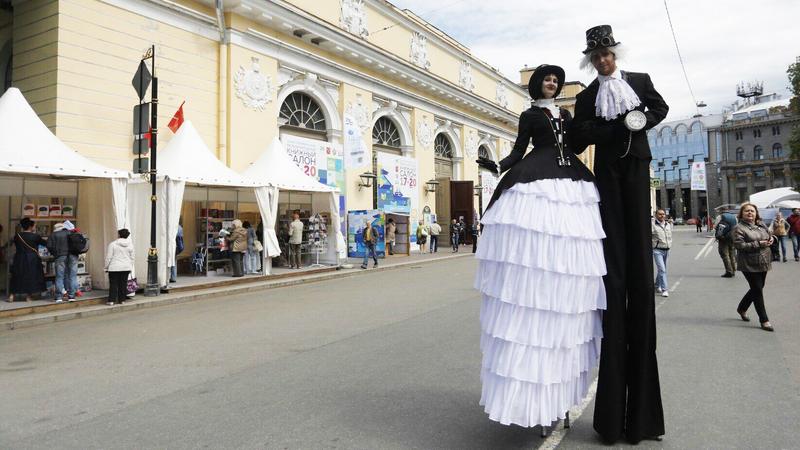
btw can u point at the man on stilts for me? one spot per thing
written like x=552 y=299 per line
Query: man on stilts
x=613 y=113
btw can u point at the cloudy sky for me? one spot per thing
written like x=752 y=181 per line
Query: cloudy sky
x=723 y=42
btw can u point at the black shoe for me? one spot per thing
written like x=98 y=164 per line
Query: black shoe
x=743 y=316
x=727 y=275
x=766 y=326
x=363 y=266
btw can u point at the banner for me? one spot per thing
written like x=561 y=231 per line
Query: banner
x=698 y=176
x=398 y=183
x=355 y=226
x=355 y=152
x=489 y=183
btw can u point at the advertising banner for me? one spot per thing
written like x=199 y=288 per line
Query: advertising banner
x=355 y=226
x=698 y=176
x=355 y=151
x=398 y=183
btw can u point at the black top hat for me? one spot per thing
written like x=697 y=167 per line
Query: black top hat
x=535 y=83
x=599 y=37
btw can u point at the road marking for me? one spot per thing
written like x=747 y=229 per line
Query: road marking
x=706 y=249
x=558 y=434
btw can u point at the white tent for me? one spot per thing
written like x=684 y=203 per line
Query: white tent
x=772 y=197
x=276 y=168
x=33 y=161
x=185 y=159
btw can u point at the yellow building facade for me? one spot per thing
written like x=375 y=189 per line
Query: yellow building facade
x=253 y=70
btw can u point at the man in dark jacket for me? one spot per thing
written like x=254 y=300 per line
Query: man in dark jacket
x=64 y=263
x=628 y=392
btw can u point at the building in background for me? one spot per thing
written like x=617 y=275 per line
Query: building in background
x=674 y=146
x=750 y=148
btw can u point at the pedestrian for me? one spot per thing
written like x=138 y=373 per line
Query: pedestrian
x=391 y=230
x=462 y=231
x=724 y=235
x=65 y=263
x=662 y=241
x=540 y=309
x=436 y=229
x=475 y=231
x=422 y=236
x=251 y=265
x=119 y=264
x=295 y=240
x=752 y=240
x=179 y=247
x=370 y=238
x=27 y=274
x=455 y=235
x=238 y=239
x=614 y=113
x=779 y=228
x=794 y=232
x=698 y=222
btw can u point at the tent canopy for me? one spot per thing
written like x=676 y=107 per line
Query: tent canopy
x=770 y=197
x=28 y=147
x=274 y=167
x=187 y=158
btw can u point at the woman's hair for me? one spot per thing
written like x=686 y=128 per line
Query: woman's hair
x=741 y=210
x=123 y=233
x=619 y=51
x=26 y=223
x=246 y=224
x=237 y=223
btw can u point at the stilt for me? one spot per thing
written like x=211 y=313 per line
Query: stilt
x=566 y=420
x=544 y=432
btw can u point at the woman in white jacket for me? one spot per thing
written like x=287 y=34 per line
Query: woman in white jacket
x=119 y=263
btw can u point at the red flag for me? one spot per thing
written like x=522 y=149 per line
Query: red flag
x=177 y=120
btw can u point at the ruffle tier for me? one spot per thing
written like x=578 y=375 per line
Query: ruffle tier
x=537 y=364
x=560 y=190
x=508 y=400
x=562 y=254
x=536 y=288
x=537 y=327
x=541 y=214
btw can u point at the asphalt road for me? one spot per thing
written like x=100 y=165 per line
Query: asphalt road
x=386 y=360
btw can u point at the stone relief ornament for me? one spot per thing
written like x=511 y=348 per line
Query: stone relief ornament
x=505 y=149
x=501 y=95
x=424 y=132
x=465 y=76
x=253 y=87
x=472 y=145
x=419 y=50
x=354 y=17
x=359 y=112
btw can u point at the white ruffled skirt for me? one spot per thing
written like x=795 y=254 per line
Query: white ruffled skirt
x=540 y=275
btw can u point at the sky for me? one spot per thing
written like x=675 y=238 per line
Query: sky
x=723 y=42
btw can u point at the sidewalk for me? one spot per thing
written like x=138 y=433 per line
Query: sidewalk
x=260 y=284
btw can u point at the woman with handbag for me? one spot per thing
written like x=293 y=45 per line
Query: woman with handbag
x=779 y=228
x=752 y=240
x=251 y=265
x=119 y=264
x=27 y=274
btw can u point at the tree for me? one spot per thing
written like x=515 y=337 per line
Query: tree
x=794 y=105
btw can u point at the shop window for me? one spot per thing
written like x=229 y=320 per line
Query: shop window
x=758 y=152
x=777 y=150
x=740 y=154
x=301 y=111
x=385 y=133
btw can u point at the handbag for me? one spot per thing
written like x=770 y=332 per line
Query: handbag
x=132 y=286
x=258 y=246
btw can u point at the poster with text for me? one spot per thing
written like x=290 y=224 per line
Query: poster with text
x=355 y=151
x=356 y=221
x=398 y=183
x=698 y=176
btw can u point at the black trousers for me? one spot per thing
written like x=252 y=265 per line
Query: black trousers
x=237 y=264
x=755 y=295
x=117 y=286
x=628 y=391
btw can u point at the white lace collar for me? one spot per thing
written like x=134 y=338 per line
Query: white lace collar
x=549 y=104
x=614 y=96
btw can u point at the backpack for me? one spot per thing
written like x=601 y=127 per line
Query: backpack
x=722 y=231
x=77 y=243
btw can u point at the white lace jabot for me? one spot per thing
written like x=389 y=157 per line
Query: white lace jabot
x=549 y=104
x=614 y=97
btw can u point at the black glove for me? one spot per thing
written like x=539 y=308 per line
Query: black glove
x=488 y=164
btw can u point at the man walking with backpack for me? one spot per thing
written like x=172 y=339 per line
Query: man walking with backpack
x=724 y=236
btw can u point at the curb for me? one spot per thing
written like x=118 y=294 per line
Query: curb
x=189 y=296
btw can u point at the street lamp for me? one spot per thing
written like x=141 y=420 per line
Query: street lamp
x=430 y=185
x=366 y=180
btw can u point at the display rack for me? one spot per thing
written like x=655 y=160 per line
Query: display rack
x=318 y=237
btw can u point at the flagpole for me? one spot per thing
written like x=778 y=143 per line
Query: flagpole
x=152 y=288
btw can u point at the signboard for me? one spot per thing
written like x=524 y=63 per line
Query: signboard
x=398 y=183
x=698 y=176
x=355 y=226
x=355 y=152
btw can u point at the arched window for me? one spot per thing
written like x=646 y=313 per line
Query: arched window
x=740 y=154
x=777 y=150
x=442 y=148
x=758 y=152
x=301 y=111
x=385 y=133
x=484 y=152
